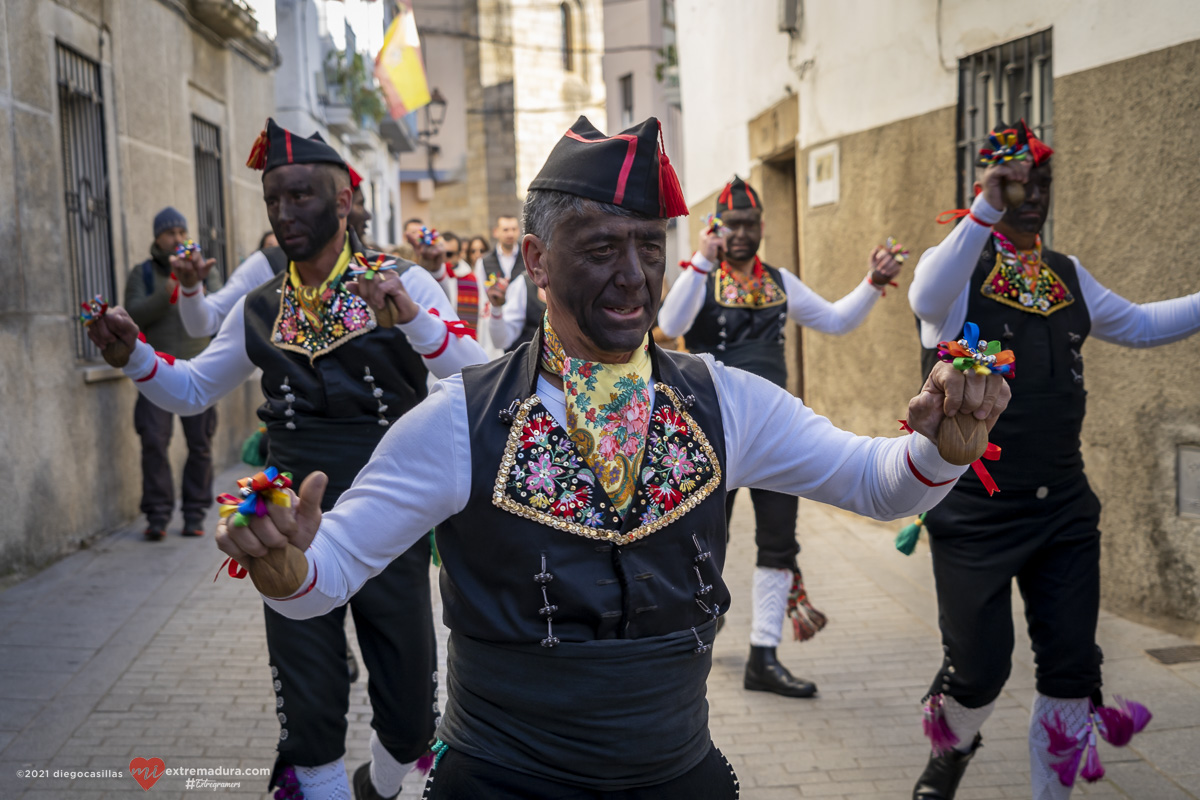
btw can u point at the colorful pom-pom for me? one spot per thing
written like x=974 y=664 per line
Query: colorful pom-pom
x=361 y=266
x=429 y=236
x=713 y=226
x=254 y=494
x=896 y=250
x=971 y=353
x=93 y=310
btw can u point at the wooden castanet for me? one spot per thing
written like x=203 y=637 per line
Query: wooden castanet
x=389 y=315
x=117 y=353
x=1014 y=194
x=279 y=573
x=962 y=439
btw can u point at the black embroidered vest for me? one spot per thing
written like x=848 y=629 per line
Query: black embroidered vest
x=1039 y=431
x=535 y=510
x=739 y=335
x=321 y=411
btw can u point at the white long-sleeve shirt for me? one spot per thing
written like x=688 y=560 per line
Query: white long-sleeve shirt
x=506 y=323
x=804 y=306
x=420 y=475
x=941 y=288
x=202 y=314
x=188 y=387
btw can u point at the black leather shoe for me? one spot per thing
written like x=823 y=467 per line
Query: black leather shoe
x=764 y=673
x=352 y=665
x=363 y=788
x=940 y=779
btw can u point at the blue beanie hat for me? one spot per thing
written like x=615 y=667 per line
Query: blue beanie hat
x=168 y=218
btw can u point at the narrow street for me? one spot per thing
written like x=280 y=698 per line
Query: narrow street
x=130 y=649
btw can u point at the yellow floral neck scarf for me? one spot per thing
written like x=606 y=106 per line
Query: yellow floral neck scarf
x=608 y=413
x=313 y=299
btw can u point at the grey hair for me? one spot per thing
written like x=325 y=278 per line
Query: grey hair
x=546 y=209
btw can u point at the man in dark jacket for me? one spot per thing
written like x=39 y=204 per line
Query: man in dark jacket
x=150 y=298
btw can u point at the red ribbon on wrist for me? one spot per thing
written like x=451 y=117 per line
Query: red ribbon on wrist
x=958 y=213
x=992 y=453
x=175 y=291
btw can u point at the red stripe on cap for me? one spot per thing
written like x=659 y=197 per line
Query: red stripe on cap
x=626 y=168
x=750 y=197
x=287 y=137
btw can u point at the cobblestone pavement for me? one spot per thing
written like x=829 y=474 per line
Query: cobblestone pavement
x=129 y=649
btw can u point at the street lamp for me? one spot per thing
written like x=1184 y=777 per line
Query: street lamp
x=435 y=111
x=435 y=115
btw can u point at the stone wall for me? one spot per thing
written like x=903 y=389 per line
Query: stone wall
x=1125 y=202
x=894 y=181
x=71 y=466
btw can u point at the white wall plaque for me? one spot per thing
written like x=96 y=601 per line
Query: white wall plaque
x=823 y=175
x=1188 y=477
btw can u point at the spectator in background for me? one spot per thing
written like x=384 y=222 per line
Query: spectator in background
x=504 y=262
x=476 y=249
x=151 y=292
x=457 y=279
x=451 y=248
x=412 y=231
x=268 y=240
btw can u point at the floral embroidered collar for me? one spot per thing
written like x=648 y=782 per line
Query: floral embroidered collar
x=542 y=476
x=608 y=412
x=759 y=290
x=316 y=320
x=1021 y=279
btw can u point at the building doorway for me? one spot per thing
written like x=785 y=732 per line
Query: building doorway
x=781 y=243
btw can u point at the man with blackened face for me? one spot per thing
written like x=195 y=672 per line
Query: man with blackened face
x=1042 y=528
x=731 y=304
x=578 y=489
x=345 y=339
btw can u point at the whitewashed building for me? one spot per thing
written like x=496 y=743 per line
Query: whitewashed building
x=860 y=119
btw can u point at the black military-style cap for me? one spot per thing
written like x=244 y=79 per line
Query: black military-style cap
x=630 y=169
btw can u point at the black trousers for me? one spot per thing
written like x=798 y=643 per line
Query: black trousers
x=774 y=527
x=394 y=620
x=462 y=777
x=1051 y=545
x=154 y=425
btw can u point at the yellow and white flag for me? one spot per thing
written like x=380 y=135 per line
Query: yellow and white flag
x=398 y=66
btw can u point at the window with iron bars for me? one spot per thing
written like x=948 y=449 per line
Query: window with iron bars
x=85 y=185
x=1004 y=83
x=210 y=196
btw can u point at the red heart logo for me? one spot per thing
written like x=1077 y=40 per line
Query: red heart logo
x=147 y=771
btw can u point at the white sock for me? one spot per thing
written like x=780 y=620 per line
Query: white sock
x=965 y=722
x=386 y=772
x=770 y=596
x=1073 y=712
x=326 y=782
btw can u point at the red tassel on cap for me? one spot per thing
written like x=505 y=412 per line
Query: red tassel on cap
x=670 y=193
x=1037 y=148
x=355 y=178
x=258 y=153
x=726 y=197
